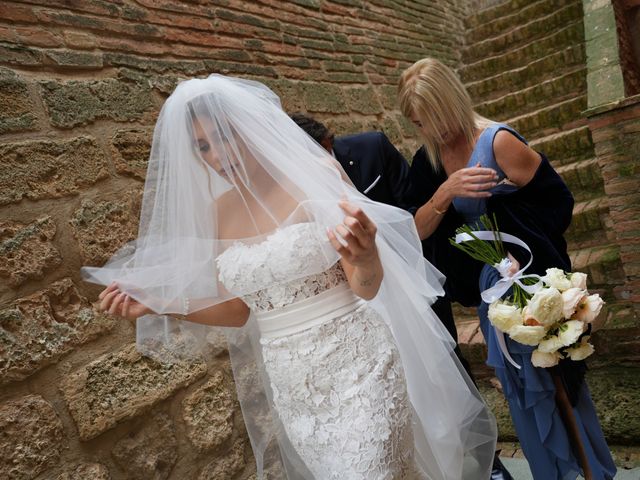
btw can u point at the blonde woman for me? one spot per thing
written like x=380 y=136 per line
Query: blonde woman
x=468 y=166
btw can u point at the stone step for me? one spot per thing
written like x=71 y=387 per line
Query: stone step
x=565 y=115
x=589 y=224
x=523 y=34
x=499 y=10
x=537 y=71
x=583 y=178
x=570 y=84
x=567 y=146
x=603 y=265
x=495 y=26
x=560 y=39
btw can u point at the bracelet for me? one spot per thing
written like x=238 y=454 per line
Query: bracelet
x=439 y=212
x=185 y=305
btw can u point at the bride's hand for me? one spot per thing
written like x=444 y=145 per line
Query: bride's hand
x=359 y=234
x=116 y=302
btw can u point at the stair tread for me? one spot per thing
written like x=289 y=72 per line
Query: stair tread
x=504 y=35
x=573 y=165
x=584 y=257
x=510 y=14
x=548 y=108
x=559 y=79
x=556 y=33
x=557 y=136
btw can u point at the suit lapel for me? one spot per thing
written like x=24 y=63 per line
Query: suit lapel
x=349 y=163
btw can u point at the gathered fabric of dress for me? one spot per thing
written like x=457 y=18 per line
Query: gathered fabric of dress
x=538 y=213
x=237 y=203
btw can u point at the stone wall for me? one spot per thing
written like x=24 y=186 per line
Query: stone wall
x=81 y=83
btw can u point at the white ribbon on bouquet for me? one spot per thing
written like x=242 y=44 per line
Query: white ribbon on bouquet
x=503 y=285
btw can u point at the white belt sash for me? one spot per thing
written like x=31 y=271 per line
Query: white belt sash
x=308 y=313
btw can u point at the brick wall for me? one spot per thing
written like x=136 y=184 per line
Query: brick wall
x=81 y=83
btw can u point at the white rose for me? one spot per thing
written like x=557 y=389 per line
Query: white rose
x=581 y=351
x=545 y=306
x=527 y=335
x=504 y=316
x=556 y=278
x=579 y=280
x=550 y=345
x=544 y=359
x=570 y=332
x=571 y=298
x=589 y=308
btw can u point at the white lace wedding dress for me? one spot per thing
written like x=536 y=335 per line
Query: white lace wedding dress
x=336 y=376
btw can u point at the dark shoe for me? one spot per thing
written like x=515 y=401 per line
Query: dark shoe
x=499 y=471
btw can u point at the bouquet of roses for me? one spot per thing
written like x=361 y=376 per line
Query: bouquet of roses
x=553 y=312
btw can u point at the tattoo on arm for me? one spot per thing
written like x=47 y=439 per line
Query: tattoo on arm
x=367 y=282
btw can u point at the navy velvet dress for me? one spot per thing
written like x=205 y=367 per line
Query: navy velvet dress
x=537 y=213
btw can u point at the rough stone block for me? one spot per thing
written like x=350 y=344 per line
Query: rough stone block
x=86 y=471
x=363 y=100
x=49 y=169
x=343 y=126
x=227 y=467
x=36 y=330
x=151 y=452
x=605 y=85
x=388 y=95
x=27 y=251
x=208 y=412
x=500 y=408
x=122 y=385
x=616 y=394
x=31 y=438
x=290 y=93
x=102 y=228
x=324 y=98
x=20 y=55
x=75 y=60
x=16 y=106
x=131 y=151
x=81 y=102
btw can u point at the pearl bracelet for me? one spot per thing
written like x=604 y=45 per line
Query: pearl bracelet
x=185 y=305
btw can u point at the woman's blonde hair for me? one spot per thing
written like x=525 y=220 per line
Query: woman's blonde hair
x=434 y=93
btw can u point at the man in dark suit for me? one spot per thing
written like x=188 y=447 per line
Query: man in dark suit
x=373 y=164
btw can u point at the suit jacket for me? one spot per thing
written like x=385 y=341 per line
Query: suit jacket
x=375 y=167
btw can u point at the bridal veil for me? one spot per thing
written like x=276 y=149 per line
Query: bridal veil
x=228 y=165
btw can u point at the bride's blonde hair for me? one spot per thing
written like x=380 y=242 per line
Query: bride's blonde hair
x=434 y=93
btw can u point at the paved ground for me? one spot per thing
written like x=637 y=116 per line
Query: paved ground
x=519 y=469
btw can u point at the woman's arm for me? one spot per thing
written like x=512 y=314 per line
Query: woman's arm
x=472 y=182
x=516 y=159
x=232 y=313
x=359 y=257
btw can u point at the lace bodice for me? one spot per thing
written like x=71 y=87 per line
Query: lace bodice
x=274 y=273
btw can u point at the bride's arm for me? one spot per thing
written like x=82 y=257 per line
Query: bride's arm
x=359 y=257
x=232 y=313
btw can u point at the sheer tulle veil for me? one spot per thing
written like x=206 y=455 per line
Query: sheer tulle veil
x=228 y=165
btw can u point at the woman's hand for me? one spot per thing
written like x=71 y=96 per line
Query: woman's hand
x=116 y=302
x=359 y=234
x=470 y=182
x=515 y=265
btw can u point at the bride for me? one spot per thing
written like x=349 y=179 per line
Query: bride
x=342 y=369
